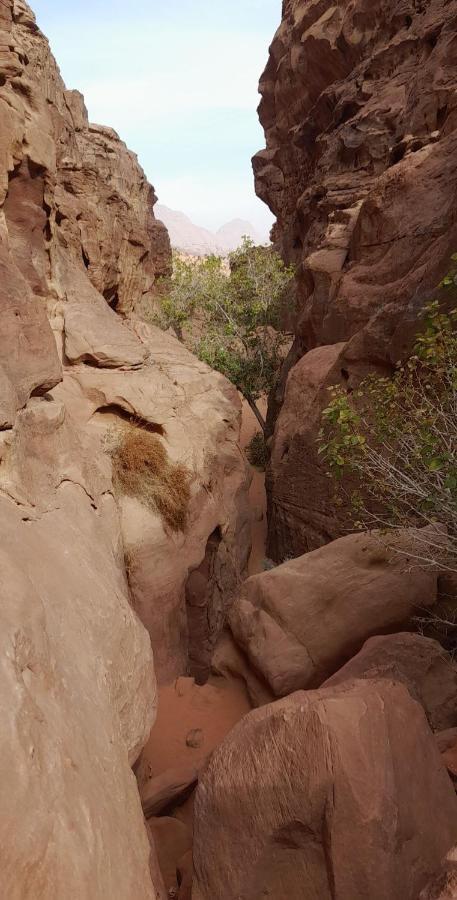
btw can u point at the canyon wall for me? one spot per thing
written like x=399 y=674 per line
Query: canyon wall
x=80 y=251
x=360 y=115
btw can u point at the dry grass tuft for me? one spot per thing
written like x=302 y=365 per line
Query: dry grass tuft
x=142 y=469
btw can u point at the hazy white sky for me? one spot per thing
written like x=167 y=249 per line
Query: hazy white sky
x=178 y=81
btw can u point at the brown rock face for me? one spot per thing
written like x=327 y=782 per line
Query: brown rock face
x=79 y=246
x=74 y=203
x=196 y=413
x=79 y=249
x=77 y=682
x=333 y=789
x=299 y=622
x=358 y=107
x=74 y=190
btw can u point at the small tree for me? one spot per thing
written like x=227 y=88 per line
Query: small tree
x=194 y=286
x=236 y=314
x=397 y=440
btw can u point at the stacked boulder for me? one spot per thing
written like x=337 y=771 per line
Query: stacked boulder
x=339 y=789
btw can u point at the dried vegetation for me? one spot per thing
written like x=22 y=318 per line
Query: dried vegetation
x=142 y=469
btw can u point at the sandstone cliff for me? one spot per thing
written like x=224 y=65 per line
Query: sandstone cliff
x=359 y=111
x=79 y=250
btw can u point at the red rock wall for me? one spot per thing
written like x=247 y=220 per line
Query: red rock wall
x=359 y=107
x=72 y=197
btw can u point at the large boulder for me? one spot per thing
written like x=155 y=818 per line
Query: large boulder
x=336 y=793
x=298 y=623
x=173 y=839
x=444 y=885
x=420 y=663
x=360 y=165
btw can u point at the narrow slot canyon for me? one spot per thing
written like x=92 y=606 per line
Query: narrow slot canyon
x=228 y=468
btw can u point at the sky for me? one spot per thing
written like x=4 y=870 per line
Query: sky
x=178 y=81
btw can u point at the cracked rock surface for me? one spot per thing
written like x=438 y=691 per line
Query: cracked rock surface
x=305 y=775
x=360 y=168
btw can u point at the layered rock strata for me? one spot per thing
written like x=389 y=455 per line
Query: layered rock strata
x=80 y=249
x=359 y=111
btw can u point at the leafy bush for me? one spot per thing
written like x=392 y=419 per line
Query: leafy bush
x=142 y=469
x=257 y=451
x=396 y=439
x=237 y=314
x=192 y=290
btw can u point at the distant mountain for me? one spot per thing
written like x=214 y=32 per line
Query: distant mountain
x=231 y=234
x=198 y=241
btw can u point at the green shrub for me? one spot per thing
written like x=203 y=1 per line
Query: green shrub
x=257 y=451
x=396 y=440
x=236 y=312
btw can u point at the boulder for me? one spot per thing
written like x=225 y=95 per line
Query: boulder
x=447 y=745
x=325 y=794
x=296 y=526
x=154 y=868
x=228 y=660
x=419 y=663
x=93 y=332
x=173 y=840
x=171 y=787
x=298 y=623
x=446 y=739
x=444 y=885
x=185 y=876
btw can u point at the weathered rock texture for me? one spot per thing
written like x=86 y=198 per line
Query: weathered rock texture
x=196 y=413
x=444 y=885
x=77 y=681
x=418 y=662
x=333 y=789
x=358 y=106
x=79 y=250
x=298 y=623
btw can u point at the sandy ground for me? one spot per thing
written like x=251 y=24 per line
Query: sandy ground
x=191 y=722
x=257 y=498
